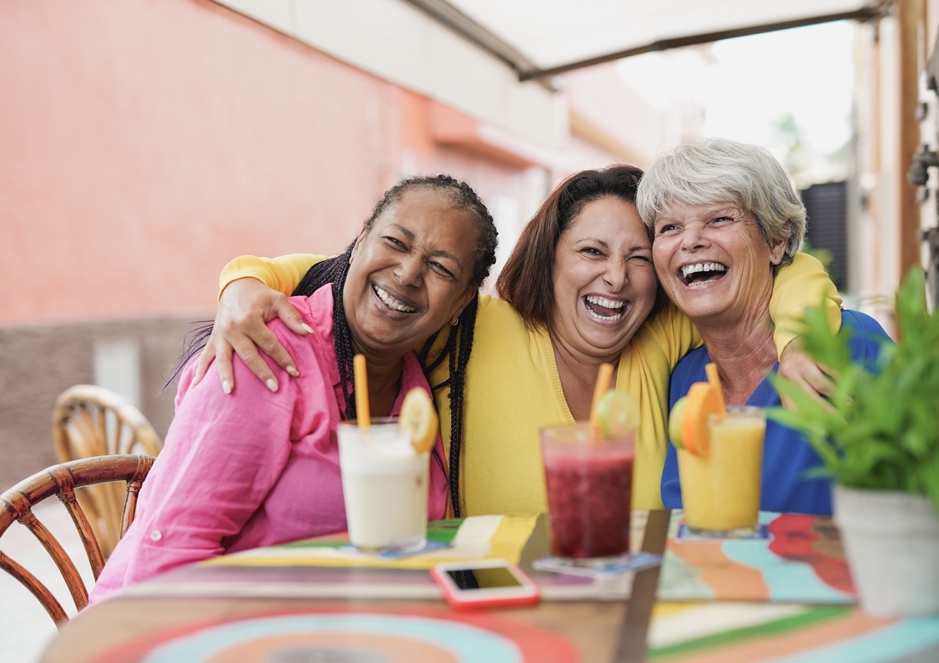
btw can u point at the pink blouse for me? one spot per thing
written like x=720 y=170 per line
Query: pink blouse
x=251 y=468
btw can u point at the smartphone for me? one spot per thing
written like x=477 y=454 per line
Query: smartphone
x=484 y=583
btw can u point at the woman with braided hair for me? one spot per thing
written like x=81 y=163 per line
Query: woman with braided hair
x=255 y=467
x=578 y=290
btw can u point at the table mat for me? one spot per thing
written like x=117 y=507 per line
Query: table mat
x=324 y=568
x=478 y=537
x=801 y=561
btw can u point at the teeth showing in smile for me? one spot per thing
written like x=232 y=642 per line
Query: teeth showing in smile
x=702 y=272
x=391 y=302
x=603 y=309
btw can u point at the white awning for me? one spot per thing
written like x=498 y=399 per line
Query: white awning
x=539 y=38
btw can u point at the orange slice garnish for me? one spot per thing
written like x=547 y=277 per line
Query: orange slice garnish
x=703 y=401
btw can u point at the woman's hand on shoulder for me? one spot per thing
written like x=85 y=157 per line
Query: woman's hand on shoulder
x=245 y=307
x=800 y=368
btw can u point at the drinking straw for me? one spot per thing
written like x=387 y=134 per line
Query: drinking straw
x=604 y=381
x=361 y=392
x=715 y=381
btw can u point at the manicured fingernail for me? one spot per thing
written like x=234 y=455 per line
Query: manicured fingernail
x=307 y=328
x=226 y=386
x=293 y=371
x=271 y=384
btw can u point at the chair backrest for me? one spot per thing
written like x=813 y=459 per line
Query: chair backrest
x=17 y=503
x=88 y=421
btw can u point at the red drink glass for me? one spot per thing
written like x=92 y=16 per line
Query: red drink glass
x=589 y=484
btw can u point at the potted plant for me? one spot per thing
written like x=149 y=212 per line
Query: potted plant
x=878 y=438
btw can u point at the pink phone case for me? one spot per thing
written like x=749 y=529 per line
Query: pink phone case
x=482 y=598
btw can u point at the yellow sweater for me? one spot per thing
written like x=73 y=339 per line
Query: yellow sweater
x=513 y=387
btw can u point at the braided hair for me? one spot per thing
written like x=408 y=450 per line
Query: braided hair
x=456 y=349
x=459 y=342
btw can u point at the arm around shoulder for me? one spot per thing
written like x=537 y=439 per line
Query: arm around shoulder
x=797 y=286
x=282 y=273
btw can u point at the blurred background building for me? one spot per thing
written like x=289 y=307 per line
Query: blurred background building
x=144 y=143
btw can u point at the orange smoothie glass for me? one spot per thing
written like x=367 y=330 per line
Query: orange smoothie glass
x=721 y=486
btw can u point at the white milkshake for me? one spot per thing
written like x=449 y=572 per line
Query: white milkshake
x=384 y=485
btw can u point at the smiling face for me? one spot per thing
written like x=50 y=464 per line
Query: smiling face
x=604 y=281
x=410 y=273
x=713 y=262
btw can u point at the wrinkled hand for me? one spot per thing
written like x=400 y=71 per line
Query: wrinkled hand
x=801 y=369
x=245 y=307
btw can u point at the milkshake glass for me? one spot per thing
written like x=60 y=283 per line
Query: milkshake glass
x=384 y=484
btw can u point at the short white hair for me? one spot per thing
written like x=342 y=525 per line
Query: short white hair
x=719 y=170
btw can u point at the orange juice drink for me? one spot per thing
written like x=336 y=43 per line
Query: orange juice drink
x=721 y=485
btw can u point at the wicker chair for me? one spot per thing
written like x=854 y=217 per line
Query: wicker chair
x=88 y=421
x=16 y=504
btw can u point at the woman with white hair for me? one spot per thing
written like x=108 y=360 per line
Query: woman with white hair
x=724 y=219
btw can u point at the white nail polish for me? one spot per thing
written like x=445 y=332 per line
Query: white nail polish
x=307 y=328
x=271 y=384
x=293 y=371
x=226 y=386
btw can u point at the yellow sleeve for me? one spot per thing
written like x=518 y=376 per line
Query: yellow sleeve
x=282 y=274
x=797 y=286
x=674 y=331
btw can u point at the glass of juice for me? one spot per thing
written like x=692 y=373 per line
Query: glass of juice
x=384 y=485
x=589 y=483
x=720 y=487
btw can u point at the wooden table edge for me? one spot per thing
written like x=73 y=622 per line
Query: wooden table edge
x=634 y=635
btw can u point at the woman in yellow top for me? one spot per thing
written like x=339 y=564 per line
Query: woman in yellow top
x=578 y=290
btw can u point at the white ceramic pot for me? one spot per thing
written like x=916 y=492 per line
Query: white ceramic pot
x=891 y=542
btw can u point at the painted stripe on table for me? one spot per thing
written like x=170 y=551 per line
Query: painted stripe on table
x=914 y=635
x=466 y=642
x=347 y=635
x=728 y=580
x=757 y=640
x=682 y=581
x=785 y=580
x=477 y=537
x=674 y=623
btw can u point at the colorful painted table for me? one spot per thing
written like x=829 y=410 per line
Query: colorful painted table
x=785 y=596
x=316 y=601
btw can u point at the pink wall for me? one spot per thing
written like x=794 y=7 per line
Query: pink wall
x=143 y=143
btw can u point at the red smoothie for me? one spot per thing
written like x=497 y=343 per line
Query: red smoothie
x=589 y=496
